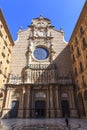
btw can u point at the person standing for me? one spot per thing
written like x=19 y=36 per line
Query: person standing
x=67 y=121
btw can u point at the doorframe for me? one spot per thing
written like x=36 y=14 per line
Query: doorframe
x=38 y=100
x=66 y=112
x=17 y=101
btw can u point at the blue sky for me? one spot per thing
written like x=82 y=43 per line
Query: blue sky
x=62 y=13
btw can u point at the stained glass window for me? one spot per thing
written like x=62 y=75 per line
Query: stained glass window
x=41 y=53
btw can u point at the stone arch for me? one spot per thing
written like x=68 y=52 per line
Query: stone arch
x=81 y=105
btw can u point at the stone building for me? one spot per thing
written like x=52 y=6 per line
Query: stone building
x=6 y=44
x=46 y=76
x=41 y=77
x=78 y=48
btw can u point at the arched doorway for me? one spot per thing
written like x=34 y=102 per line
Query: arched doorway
x=40 y=109
x=14 y=109
x=81 y=105
x=65 y=108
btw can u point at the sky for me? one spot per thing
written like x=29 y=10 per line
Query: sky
x=62 y=13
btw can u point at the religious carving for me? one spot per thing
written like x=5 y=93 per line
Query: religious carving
x=15 y=79
x=40 y=95
x=64 y=95
x=40 y=24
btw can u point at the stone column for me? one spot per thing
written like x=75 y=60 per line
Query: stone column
x=85 y=107
x=47 y=107
x=84 y=95
x=28 y=103
x=73 y=111
x=21 y=104
x=7 y=103
x=57 y=103
x=70 y=99
x=32 y=104
x=51 y=103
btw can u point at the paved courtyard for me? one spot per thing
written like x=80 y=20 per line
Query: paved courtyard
x=42 y=124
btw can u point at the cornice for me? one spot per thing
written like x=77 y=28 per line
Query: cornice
x=79 y=21
x=6 y=27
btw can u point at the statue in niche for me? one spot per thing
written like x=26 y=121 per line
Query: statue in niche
x=48 y=33
x=28 y=76
x=31 y=46
x=35 y=33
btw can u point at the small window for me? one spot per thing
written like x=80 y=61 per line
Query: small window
x=84 y=44
x=6 y=36
x=81 y=31
x=72 y=48
x=84 y=41
x=76 y=72
x=76 y=40
x=83 y=81
x=3 y=54
x=5 y=68
x=7 y=61
x=73 y=58
x=81 y=67
x=1 y=34
x=0 y=62
x=78 y=52
x=5 y=43
x=3 y=47
x=1 y=25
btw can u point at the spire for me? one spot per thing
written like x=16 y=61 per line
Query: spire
x=41 y=17
x=20 y=29
x=61 y=30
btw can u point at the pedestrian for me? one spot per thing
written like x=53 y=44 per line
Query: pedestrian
x=36 y=114
x=67 y=121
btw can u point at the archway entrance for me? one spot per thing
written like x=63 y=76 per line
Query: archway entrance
x=65 y=108
x=14 y=109
x=40 y=109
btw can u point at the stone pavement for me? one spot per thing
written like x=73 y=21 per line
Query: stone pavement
x=42 y=124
